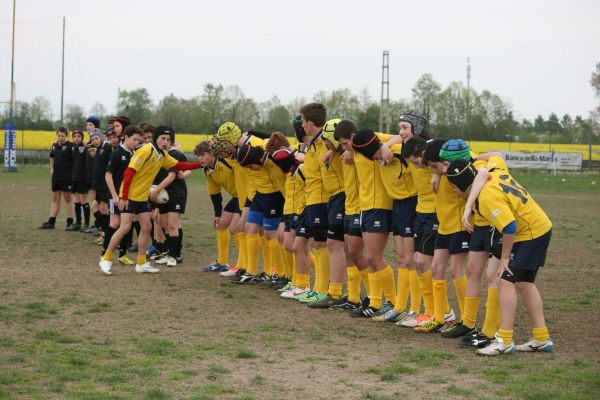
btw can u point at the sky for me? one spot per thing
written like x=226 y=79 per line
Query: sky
x=537 y=55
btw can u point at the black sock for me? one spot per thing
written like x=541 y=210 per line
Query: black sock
x=179 y=242
x=69 y=221
x=86 y=213
x=172 y=242
x=78 y=213
x=97 y=219
x=108 y=234
x=160 y=246
x=137 y=227
x=126 y=243
x=52 y=220
x=105 y=221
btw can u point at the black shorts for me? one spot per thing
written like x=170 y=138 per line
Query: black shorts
x=233 y=206
x=286 y=222
x=376 y=221
x=352 y=225
x=80 y=187
x=102 y=195
x=335 y=209
x=294 y=221
x=403 y=216
x=520 y=275
x=175 y=205
x=316 y=216
x=318 y=233
x=112 y=208
x=269 y=204
x=530 y=254
x=455 y=243
x=481 y=239
x=61 y=185
x=425 y=243
x=137 y=207
x=247 y=203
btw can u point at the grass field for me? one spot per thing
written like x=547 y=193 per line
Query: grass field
x=68 y=332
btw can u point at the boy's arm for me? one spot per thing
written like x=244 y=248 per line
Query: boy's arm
x=51 y=166
x=480 y=179
x=163 y=184
x=111 y=187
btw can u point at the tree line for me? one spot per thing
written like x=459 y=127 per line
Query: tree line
x=453 y=110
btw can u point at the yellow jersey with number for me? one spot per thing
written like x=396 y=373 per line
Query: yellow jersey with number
x=495 y=165
x=352 y=204
x=449 y=208
x=397 y=176
x=332 y=174
x=146 y=161
x=221 y=176
x=502 y=200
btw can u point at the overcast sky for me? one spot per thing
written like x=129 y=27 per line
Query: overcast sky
x=538 y=55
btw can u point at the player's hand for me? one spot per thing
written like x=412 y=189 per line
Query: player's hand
x=348 y=157
x=328 y=157
x=386 y=154
x=466 y=220
x=299 y=156
x=216 y=222
x=503 y=267
x=435 y=182
x=122 y=204
x=115 y=200
x=152 y=195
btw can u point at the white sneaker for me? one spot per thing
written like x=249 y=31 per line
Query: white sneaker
x=171 y=262
x=409 y=320
x=162 y=260
x=547 y=346
x=496 y=348
x=450 y=316
x=291 y=292
x=105 y=267
x=229 y=273
x=146 y=268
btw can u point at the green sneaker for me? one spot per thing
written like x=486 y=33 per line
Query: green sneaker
x=303 y=294
x=286 y=287
x=325 y=302
x=315 y=297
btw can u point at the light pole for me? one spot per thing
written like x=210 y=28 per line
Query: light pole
x=10 y=137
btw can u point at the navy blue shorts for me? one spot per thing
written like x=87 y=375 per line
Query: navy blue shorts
x=315 y=215
x=318 y=233
x=335 y=209
x=137 y=207
x=269 y=204
x=233 y=206
x=352 y=225
x=294 y=221
x=481 y=239
x=425 y=230
x=403 y=216
x=530 y=254
x=247 y=203
x=286 y=222
x=455 y=243
x=376 y=221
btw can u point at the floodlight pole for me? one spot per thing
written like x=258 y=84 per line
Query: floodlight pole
x=12 y=67
x=62 y=83
x=385 y=93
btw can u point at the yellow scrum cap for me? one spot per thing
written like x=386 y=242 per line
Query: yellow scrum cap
x=229 y=132
x=329 y=131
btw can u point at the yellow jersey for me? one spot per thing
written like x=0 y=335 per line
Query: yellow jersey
x=502 y=200
x=371 y=191
x=449 y=207
x=146 y=161
x=241 y=177
x=352 y=204
x=220 y=176
x=425 y=196
x=299 y=189
x=495 y=165
x=315 y=192
x=332 y=174
x=397 y=176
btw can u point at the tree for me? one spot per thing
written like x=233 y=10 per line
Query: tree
x=98 y=110
x=214 y=104
x=425 y=95
x=135 y=104
x=74 y=116
x=595 y=80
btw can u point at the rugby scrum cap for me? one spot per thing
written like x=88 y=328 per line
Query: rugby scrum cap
x=96 y=132
x=94 y=120
x=298 y=129
x=366 y=142
x=77 y=132
x=285 y=159
x=416 y=120
x=163 y=130
x=329 y=131
x=216 y=147
x=248 y=155
x=229 y=132
x=461 y=174
x=123 y=120
x=455 y=149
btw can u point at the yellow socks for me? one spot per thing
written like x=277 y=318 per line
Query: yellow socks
x=386 y=280
x=108 y=255
x=415 y=291
x=303 y=281
x=267 y=256
x=492 y=306
x=353 y=283
x=440 y=299
x=141 y=259
x=403 y=288
x=222 y=246
x=294 y=273
x=335 y=290
x=243 y=251
x=460 y=285
x=278 y=263
x=469 y=318
x=253 y=246
x=506 y=335
x=426 y=285
x=236 y=239
x=288 y=259
x=364 y=277
x=322 y=270
x=374 y=290
x=541 y=334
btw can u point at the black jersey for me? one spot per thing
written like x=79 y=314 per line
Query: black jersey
x=118 y=163
x=177 y=188
x=79 y=163
x=100 y=163
x=89 y=167
x=63 y=160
